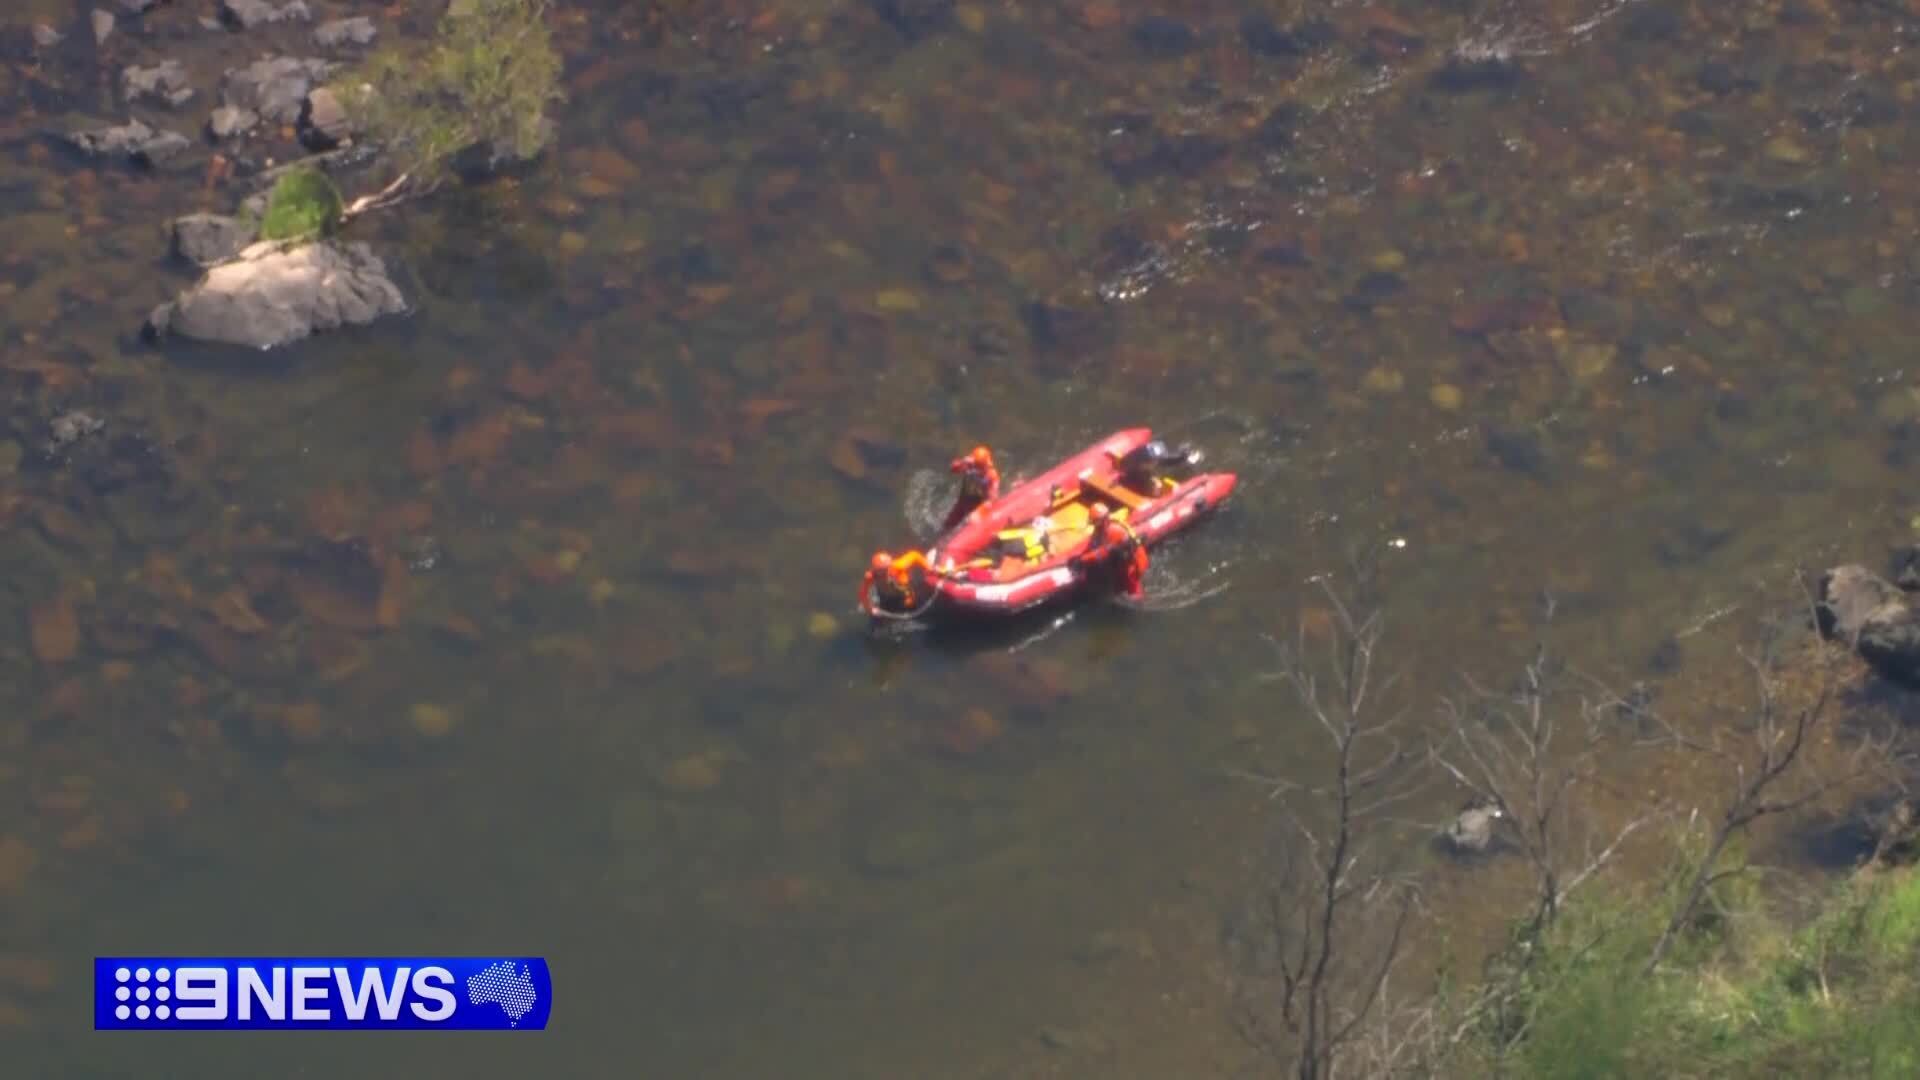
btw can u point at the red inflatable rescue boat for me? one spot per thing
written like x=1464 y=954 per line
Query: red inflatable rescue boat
x=1019 y=550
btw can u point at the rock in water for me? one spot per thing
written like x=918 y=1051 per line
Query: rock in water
x=227 y=122
x=275 y=88
x=102 y=23
x=165 y=82
x=70 y=427
x=207 y=239
x=46 y=37
x=134 y=141
x=1879 y=619
x=323 y=122
x=1852 y=596
x=358 y=30
x=139 y=7
x=268 y=296
x=247 y=14
x=1471 y=831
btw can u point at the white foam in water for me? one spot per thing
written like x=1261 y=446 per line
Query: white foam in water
x=929 y=496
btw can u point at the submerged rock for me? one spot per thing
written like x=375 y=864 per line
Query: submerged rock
x=268 y=296
x=133 y=141
x=1906 y=568
x=206 y=239
x=70 y=427
x=1163 y=37
x=1477 y=66
x=139 y=7
x=358 y=30
x=165 y=82
x=1876 y=617
x=1263 y=37
x=485 y=159
x=247 y=14
x=915 y=19
x=275 y=88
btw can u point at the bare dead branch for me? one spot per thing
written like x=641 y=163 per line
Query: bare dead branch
x=1524 y=753
x=1333 y=917
x=1764 y=753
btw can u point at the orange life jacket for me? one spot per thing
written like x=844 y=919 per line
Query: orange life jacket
x=897 y=582
x=979 y=478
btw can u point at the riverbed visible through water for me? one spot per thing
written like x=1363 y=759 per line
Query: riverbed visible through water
x=525 y=624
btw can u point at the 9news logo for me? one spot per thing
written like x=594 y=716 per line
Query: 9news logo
x=297 y=993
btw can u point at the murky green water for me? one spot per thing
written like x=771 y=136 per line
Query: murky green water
x=1633 y=326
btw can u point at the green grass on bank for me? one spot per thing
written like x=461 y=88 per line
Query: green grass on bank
x=1742 y=996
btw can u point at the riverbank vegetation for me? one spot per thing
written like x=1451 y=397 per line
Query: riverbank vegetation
x=1746 y=990
x=1703 y=963
x=482 y=86
x=301 y=205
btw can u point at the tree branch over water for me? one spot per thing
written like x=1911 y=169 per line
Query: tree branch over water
x=483 y=84
x=1762 y=756
x=1330 y=918
x=1523 y=755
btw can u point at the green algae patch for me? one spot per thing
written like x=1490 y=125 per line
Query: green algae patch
x=302 y=205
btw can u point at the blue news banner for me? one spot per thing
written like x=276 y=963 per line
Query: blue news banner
x=414 y=993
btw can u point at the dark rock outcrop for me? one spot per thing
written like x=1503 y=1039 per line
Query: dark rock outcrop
x=132 y=141
x=207 y=239
x=1876 y=617
x=268 y=296
x=323 y=121
x=276 y=88
x=166 y=83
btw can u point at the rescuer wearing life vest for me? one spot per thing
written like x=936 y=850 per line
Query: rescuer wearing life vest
x=895 y=585
x=979 y=484
x=1116 y=549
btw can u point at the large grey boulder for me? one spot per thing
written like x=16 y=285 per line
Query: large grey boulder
x=207 y=239
x=1873 y=615
x=270 y=296
x=274 y=88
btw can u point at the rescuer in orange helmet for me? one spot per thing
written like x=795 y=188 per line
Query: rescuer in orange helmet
x=979 y=484
x=892 y=584
x=1115 y=549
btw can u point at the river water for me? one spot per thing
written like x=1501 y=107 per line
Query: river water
x=525 y=623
